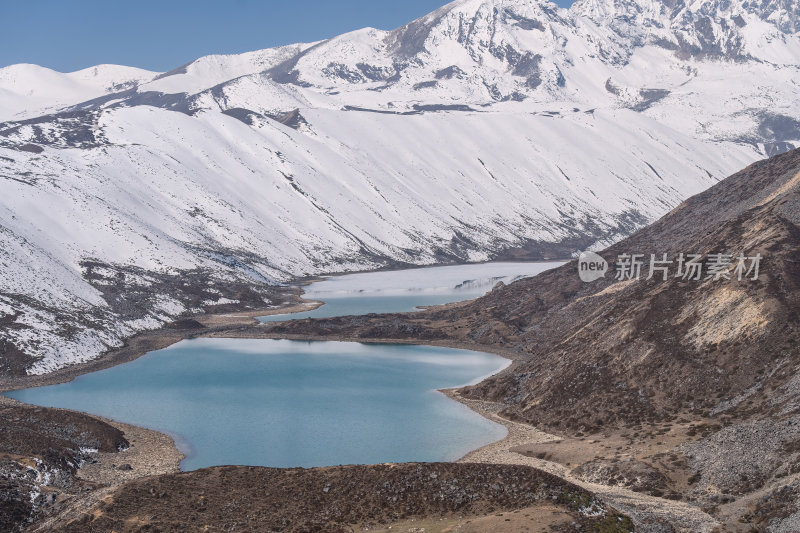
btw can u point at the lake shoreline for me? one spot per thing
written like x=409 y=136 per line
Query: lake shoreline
x=231 y=325
x=641 y=507
x=217 y=397
x=160 y=448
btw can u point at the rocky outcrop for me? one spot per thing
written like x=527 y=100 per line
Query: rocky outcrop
x=40 y=452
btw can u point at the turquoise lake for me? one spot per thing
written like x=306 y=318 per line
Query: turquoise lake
x=398 y=291
x=284 y=403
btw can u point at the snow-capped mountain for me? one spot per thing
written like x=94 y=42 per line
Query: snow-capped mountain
x=484 y=126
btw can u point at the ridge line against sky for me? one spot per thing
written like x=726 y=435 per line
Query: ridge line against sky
x=162 y=35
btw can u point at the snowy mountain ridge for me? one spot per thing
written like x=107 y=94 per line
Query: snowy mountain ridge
x=488 y=128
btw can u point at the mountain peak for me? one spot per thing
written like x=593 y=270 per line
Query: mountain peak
x=782 y=14
x=562 y=129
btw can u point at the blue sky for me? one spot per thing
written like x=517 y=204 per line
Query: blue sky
x=68 y=35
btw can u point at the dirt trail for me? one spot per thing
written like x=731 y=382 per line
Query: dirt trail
x=649 y=513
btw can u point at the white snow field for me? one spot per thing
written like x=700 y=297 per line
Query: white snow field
x=484 y=126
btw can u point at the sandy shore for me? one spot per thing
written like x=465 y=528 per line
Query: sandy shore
x=249 y=317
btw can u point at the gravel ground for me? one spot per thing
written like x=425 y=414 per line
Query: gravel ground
x=150 y=453
x=650 y=514
x=743 y=457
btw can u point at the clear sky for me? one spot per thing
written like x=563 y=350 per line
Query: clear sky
x=160 y=35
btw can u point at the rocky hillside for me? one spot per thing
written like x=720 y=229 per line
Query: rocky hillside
x=488 y=128
x=40 y=453
x=616 y=352
x=694 y=379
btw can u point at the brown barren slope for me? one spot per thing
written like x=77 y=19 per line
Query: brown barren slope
x=339 y=499
x=682 y=389
x=608 y=352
